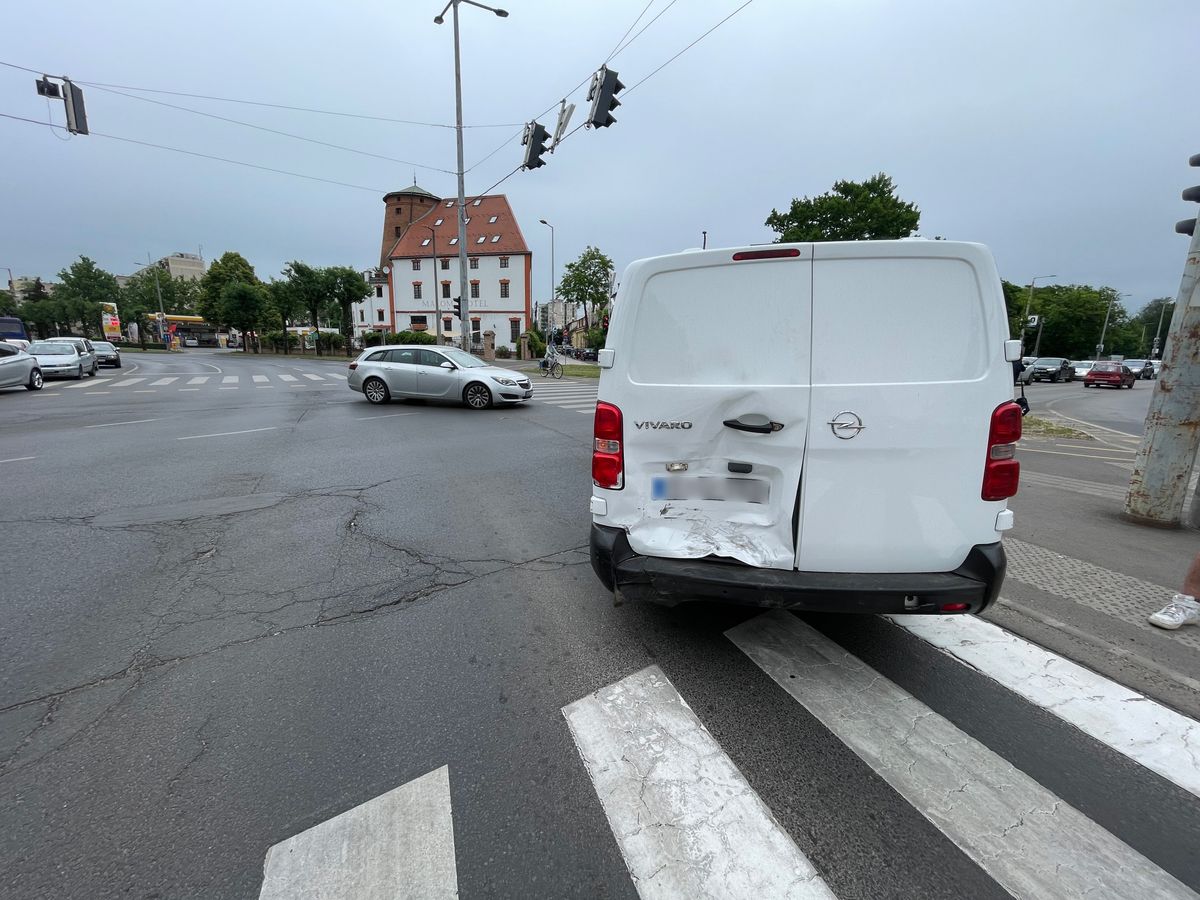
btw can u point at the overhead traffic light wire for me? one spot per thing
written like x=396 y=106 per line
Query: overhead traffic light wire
x=630 y=89
x=620 y=48
x=617 y=46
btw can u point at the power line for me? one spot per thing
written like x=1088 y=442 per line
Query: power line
x=235 y=162
x=627 y=30
x=287 y=134
x=630 y=89
x=621 y=49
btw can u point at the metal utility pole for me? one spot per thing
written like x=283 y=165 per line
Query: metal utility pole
x=1104 y=330
x=1028 y=303
x=1157 y=351
x=437 y=303
x=553 y=280
x=1164 y=461
x=458 y=134
x=162 y=316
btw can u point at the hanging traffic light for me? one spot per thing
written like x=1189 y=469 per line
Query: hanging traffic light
x=1188 y=226
x=535 y=145
x=458 y=307
x=603 y=94
x=76 y=116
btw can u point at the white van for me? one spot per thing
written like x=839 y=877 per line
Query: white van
x=821 y=426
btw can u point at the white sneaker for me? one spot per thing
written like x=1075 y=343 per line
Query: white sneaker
x=1182 y=610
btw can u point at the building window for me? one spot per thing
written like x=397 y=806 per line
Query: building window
x=474 y=290
x=445 y=264
x=447 y=323
x=504 y=290
x=416 y=265
x=495 y=238
x=438 y=222
x=446 y=290
x=475 y=330
x=467 y=220
x=379 y=315
x=514 y=326
x=492 y=220
x=396 y=231
x=481 y=239
x=453 y=241
x=362 y=316
x=379 y=290
x=478 y=200
x=504 y=262
x=416 y=290
x=399 y=210
x=418 y=323
x=424 y=243
x=449 y=204
x=474 y=262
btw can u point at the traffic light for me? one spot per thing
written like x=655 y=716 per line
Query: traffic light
x=458 y=307
x=535 y=145
x=1188 y=226
x=603 y=94
x=76 y=116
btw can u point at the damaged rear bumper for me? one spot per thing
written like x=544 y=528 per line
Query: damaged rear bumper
x=672 y=581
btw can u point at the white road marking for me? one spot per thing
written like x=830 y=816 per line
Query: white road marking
x=233 y=388
x=398 y=845
x=17 y=459
x=92 y=383
x=181 y=390
x=283 y=376
x=167 y=380
x=229 y=379
x=387 y=416
x=687 y=823
x=192 y=437
x=1148 y=733
x=1026 y=838
x=146 y=392
x=591 y=404
x=260 y=386
x=259 y=379
x=313 y=377
x=1063 y=453
x=199 y=379
x=89 y=393
x=126 y=382
x=111 y=424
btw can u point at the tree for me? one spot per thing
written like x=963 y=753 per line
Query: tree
x=229 y=268
x=282 y=306
x=1071 y=320
x=587 y=280
x=8 y=304
x=311 y=288
x=242 y=307
x=346 y=287
x=41 y=310
x=852 y=211
x=82 y=288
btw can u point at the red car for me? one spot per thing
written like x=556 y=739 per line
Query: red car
x=1112 y=374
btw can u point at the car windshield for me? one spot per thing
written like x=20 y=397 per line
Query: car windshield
x=46 y=348
x=103 y=345
x=1084 y=364
x=1132 y=363
x=464 y=359
x=1106 y=367
x=1049 y=361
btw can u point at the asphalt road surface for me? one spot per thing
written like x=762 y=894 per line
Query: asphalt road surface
x=243 y=609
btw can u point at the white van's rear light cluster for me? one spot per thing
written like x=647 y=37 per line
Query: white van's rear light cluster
x=1001 y=471
x=608 y=459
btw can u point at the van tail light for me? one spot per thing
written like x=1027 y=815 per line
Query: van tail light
x=353 y=366
x=608 y=457
x=1001 y=471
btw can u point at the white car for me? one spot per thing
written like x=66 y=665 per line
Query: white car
x=819 y=466
x=18 y=368
x=1082 y=367
x=435 y=373
x=191 y=342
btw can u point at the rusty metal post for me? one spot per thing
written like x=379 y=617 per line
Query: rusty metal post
x=1163 y=466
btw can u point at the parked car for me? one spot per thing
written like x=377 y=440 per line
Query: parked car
x=1140 y=368
x=1028 y=361
x=1110 y=374
x=19 y=343
x=18 y=368
x=417 y=372
x=107 y=354
x=190 y=342
x=60 y=359
x=786 y=471
x=1052 y=368
x=86 y=350
x=1082 y=367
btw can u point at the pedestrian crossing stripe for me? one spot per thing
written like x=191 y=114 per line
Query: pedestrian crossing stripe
x=688 y=823
x=227 y=382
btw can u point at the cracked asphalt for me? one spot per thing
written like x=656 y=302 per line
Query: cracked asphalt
x=210 y=645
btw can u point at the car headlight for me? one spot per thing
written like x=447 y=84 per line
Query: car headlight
x=507 y=381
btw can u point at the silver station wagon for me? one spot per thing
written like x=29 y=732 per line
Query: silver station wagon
x=429 y=373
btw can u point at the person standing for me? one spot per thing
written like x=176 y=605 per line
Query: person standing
x=1183 y=609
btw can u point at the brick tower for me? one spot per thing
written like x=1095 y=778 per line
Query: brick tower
x=401 y=209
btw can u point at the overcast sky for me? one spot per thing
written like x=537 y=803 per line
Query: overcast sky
x=1056 y=132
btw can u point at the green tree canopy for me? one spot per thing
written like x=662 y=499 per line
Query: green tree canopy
x=588 y=281
x=83 y=286
x=311 y=286
x=1071 y=320
x=346 y=287
x=229 y=268
x=283 y=304
x=243 y=306
x=43 y=312
x=852 y=211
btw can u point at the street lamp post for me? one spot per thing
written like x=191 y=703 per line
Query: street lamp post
x=1157 y=331
x=437 y=303
x=1028 y=304
x=1104 y=330
x=553 y=281
x=162 y=316
x=458 y=131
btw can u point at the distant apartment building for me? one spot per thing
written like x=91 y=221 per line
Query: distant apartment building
x=189 y=266
x=22 y=284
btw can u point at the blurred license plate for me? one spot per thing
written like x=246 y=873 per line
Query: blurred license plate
x=701 y=487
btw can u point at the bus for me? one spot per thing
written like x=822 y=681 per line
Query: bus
x=12 y=327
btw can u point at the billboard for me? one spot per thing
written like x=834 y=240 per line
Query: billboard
x=110 y=321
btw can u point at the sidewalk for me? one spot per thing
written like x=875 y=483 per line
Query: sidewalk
x=1082 y=579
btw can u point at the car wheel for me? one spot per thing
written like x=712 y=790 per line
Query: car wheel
x=92 y=374
x=117 y=366
x=79 y=374
x=376 y=391
x=35 y=381
x=477 y=395
x=1055 y=378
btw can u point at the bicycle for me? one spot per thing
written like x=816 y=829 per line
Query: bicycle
x=551 y=367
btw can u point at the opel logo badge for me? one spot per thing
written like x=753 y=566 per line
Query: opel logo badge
x=846 y=425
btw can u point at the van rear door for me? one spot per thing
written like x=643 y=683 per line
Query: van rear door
x=907 y=367
x=712 y=379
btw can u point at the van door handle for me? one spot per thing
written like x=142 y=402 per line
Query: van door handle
x=755 y=423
